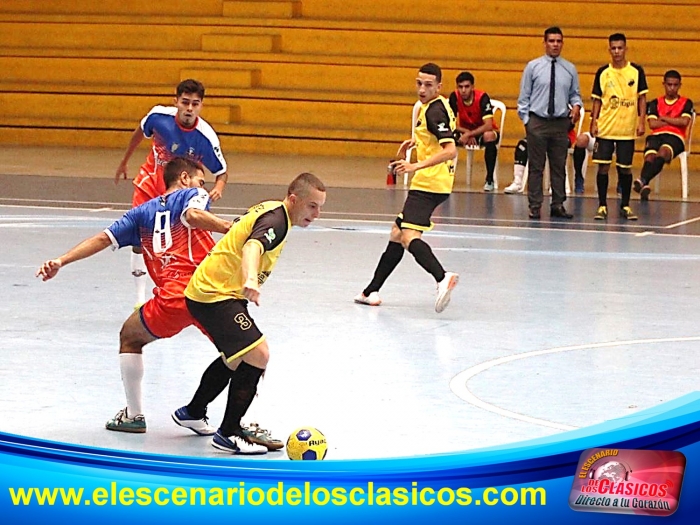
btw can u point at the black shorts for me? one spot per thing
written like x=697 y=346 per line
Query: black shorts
x=654 y=143
x=229 y=325
x=623 y=149
x=418 y=208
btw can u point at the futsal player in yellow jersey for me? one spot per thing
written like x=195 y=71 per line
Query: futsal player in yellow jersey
x=431 y=186
x=617 y=118
x=217 y=297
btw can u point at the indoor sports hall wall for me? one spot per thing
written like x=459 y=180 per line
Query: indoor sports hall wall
x=321 y=77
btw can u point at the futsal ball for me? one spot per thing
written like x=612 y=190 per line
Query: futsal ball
x=306 y=443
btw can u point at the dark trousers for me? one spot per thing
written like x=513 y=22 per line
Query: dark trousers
x=547 y=139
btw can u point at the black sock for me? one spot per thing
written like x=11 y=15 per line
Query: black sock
x=625 y=178
x=579 y=157
x=241 y=392
x=214 y=380
x=652 y=169
x=389 y=260
x=490 y=154
x=602 y=183
x=425 y=257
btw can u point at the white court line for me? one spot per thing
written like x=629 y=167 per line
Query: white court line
x=510 y=223
x=459 y=387
x=682 y=223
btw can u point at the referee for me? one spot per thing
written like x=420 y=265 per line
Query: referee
x=549 y=104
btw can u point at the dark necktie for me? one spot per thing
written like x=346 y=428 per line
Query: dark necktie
x=550 y=107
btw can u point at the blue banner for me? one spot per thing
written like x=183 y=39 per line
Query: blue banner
x=528 y=482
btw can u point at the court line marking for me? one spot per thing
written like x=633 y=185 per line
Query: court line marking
x=511 y=224
x=459 y=387
x=682 y=223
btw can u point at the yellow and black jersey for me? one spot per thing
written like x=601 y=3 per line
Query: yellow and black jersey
x=680 y=107
x=219 y=276
x=435 y=126
x=619 y=90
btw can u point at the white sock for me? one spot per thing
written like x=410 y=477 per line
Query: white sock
x=518 y=172
x=131 y=366
x=138 y=270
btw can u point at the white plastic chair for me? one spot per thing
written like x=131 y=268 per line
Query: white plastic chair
x=414 y=118
x=497 y=106
x=683 y=158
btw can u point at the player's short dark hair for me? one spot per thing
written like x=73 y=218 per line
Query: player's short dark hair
x=432 y=69
x=465 y=76
x=190 y=86
x=554 y=30
x=174 y=167
x=303 y=183
x=617 y=37
x=672 y=73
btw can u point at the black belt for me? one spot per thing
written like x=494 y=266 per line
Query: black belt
x=548 y=118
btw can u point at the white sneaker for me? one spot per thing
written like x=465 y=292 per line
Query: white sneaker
x=444 y=290
x=514 y=187
x=489 y=187
x=371 y=300
x=236 y=445
x=199 y=426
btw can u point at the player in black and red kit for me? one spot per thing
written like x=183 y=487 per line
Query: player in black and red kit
x=475 y=125
x=669 y=117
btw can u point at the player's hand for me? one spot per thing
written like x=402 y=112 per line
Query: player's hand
x=49 y=269
x=215 y=194
x=405 y=146
x=594 y=129
x=252 y=293
x=121 y=173
x=402 y=167
x=641 y=128
x=471 y=141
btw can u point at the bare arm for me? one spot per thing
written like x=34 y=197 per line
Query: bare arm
x=136 y=138
x=85 y=249
x=205 y=220
x=449 y=151
x=642 y=110
x=681 y=122
x=218 y=189
x=595 y=112
x=250 y=262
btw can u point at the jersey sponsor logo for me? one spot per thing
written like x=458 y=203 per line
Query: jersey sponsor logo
x=270 y=235
x=262 y=277
x=174 y=146
x=630 y=83
x=442 y=127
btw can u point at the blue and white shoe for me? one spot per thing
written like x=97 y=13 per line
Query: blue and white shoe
x=236 y=445
x=199 y=426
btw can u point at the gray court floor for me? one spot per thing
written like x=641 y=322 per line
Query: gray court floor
x=554 y=326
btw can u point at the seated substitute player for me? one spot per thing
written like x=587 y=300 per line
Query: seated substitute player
x=669 y=117
x=218 y=295
x=177 y=131
x=174 y=231
x=430 y=186
x=475 y=125
x=581 y=143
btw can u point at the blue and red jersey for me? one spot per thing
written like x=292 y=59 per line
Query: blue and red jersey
x=171 y=140
x=172 y=249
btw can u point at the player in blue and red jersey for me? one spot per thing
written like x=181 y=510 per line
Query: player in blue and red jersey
x=669 y=117
x=177 y=131
x=174 y=231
